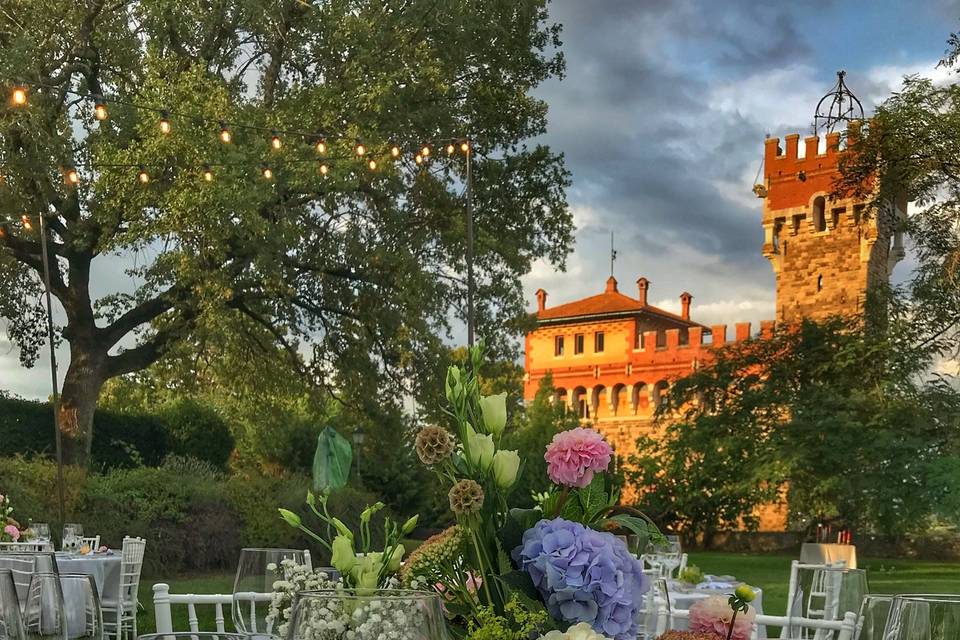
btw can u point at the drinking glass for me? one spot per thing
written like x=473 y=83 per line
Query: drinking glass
x=257 y=570
x=372 y=615
x=84 y=618
x=665 y=555
x=72 y=534
x=42 y=531
x=11 y=624
x=923 y=617
x=826 y=593
x=43 y=610
x=873 y=617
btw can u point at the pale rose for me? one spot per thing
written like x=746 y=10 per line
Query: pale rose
x=713 y=615
x=506 y=464
x=480 y=449
x=574 y=456
x=494 y=410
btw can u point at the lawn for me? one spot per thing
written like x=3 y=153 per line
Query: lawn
x=770 y=572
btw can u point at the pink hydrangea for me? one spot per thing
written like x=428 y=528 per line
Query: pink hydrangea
x=574 y=456
x=713 y=615
x=12 y=531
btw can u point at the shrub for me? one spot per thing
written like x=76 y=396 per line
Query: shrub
x=197 y=430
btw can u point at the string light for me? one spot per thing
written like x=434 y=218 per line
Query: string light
x=275 y=141
x=322 y=146
x=450 y=149
x=207 y=173
x=465 y=146
x=142 y=175
x=394 y=151
x=266 y=171
x=360 y=149
x=425 y=151
x=165 y=122
x=100 y=108
x=73 y=177
x=25 y=219
x=19 y=96
x=225 y=135
x=418 y=159
x=372 y=164
x=324 y=169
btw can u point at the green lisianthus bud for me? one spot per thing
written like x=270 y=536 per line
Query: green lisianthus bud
x=393 y=564
x=409 y=525
x=342 y=529
x=290 y=517
x=343 y=559
x=506 y=464
x=480 y=449
x=745 y=593
x=494 y=410
x=367 y=513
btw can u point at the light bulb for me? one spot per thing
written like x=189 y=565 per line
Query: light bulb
x=164 y=122
x=322 y=145
x=465 y=146
x=372 y=164
x=100 y=110
x=324 y=169
x=267 y=172
x=73 y=177
x=418 y=159
x=19 y=97
x=207 y=173
x=275 y=141
x=225 y=135
x=360 y=149
x=143 y=176
x=450 y=149
x=395 y=151
x=425 y=151
x=26 y=222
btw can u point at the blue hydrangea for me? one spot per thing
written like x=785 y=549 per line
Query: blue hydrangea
x=584 y=576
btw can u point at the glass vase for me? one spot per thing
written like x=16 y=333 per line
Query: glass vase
x=368 y=615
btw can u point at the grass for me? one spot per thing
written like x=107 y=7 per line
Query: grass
x=769 y=572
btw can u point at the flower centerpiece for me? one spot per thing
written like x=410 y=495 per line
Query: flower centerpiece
x=11 y=528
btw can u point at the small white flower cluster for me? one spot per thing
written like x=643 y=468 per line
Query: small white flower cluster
x=581 y=631
x=296 y=578
x=378 y=618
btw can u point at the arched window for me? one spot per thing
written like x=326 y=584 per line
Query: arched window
x=560 y=396
x=639 y=399
x=660 y=393
x=617 y=399
x=581 y=403
x=819 y=214
x=597 y=400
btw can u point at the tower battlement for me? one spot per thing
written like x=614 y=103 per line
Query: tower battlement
x=791 y=177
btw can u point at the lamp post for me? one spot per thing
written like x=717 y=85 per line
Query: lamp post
x=358 y=438
x=471 y=321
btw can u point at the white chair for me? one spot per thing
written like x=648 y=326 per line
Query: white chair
x=683 y=564
x=93 y=543
x=164 y=601
x=120 y=610
x=24 y=565
x=835 y=629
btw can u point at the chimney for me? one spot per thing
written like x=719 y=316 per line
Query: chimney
x=541 y=300
x=611 y=285
x=685 y=299
x=642 y=286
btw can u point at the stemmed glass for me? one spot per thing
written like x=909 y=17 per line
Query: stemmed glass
x=11 y=624
x=43 y=610
x=41 y=532
x=664 y=555
x=384 y=613
x=257 y=571
x=923 y=617
x=72 y=534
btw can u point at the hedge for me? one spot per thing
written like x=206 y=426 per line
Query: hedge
x=121 y=440
x=193 y=517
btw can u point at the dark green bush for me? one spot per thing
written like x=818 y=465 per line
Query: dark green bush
x=197 y=430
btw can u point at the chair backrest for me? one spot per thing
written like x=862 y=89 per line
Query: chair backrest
x=92 y=542
x=131 y=564
x=795 y=567
x=683 y=563
x=26 y=547
x=163 y=602
x=24 y=565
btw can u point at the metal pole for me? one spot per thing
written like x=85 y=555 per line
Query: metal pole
x=471 y=321
x=53 y=370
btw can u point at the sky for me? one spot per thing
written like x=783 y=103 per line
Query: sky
x=662 y=116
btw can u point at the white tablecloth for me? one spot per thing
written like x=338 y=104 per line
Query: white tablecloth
x=105 y=569
x=681 y=599
x=816 y=553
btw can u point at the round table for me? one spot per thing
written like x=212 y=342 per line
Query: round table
x=104 y=567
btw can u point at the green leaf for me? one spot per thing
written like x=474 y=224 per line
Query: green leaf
x=638 y=526
x=593 y=498
x=518 y=521
x=332 y=460
x=572 y=510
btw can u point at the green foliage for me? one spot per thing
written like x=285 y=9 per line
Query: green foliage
x=197 y=430
x=518 y=623
x=331 y=462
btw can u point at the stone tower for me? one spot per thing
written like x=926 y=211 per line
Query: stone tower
x=826 y=253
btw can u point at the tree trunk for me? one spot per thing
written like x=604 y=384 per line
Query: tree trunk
x=78 y=401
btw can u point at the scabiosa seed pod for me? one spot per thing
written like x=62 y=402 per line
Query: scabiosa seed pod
x=433 y=444
x=466 y=497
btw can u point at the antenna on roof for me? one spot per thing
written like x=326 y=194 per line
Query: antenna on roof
x=613 y=254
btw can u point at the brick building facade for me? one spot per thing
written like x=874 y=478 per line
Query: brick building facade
x=612 y=356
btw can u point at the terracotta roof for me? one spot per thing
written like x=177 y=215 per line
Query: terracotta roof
x=610 y=302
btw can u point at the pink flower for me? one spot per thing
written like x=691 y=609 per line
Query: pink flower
x=574 y=456
x=713 y=615
x=12 y=531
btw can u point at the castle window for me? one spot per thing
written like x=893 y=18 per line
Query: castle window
x=558 y=346
x=819 y=211
x=598 y=342
x=578 y=343
x=820 y=282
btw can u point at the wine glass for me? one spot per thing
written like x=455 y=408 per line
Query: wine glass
x=671 y=556
x=370 y=615
x=923 y=617
x=72 y=534
x=257 y=571
x=43 y=610
x=84 y=618
x=41 y=530
x=11 y=624
x=873 y=617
